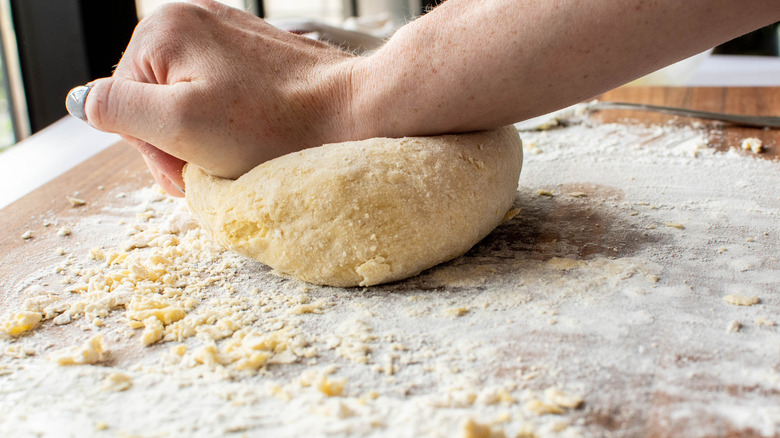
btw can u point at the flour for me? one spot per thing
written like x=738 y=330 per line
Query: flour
x=595 y=309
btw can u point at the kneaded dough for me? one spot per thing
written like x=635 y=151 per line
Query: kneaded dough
x=364 y=212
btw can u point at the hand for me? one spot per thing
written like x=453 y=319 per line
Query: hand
x=205 y=83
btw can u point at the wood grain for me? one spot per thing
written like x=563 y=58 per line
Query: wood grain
x=119 y=166
x=764 y=101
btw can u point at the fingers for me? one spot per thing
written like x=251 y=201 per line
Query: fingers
x=165 y=167
x=163 y=180
x=124 y=106
x=155 y=114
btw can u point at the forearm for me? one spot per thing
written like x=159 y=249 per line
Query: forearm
x=471 y=65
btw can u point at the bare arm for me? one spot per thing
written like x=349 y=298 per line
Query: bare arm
x=218 y=87
x=472 y=65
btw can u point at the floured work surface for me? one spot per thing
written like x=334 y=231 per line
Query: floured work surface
x=634 y=293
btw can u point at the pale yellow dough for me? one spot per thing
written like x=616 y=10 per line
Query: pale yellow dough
x=364 y=212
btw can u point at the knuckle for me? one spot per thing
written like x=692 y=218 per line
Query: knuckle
x=166 y=32
x=175 y=16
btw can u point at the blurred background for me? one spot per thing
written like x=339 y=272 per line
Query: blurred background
x=49 y=46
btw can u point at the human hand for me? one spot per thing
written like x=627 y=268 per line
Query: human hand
x=205 y=83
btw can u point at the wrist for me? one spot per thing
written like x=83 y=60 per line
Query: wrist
x=345 y=121
x=397 y=92
x=377 y=91
x=314 y=108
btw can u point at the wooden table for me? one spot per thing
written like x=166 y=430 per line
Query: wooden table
x=119 y=168
x=752 y=101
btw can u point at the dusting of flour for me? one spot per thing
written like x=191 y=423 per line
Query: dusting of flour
x=597 y=308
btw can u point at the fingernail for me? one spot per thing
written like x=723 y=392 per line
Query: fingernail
x=77 y=97
x=180 y=189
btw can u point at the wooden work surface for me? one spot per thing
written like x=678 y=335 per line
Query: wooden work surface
x=753 y=101
x=119 y=169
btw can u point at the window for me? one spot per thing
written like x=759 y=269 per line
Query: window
x=146 y=6
x=13 y=111
x=332 y=11
x=7 y=137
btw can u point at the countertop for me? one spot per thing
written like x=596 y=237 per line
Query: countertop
x=608 y=305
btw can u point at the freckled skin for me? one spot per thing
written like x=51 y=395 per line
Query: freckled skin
x=204 y=83
x=500 y=62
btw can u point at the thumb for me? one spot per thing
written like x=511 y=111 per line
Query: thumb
x=126 y=107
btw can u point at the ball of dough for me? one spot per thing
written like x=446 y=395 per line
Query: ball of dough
x=364 y=212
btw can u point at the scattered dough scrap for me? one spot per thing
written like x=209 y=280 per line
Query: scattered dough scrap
x=733 y=326
x=540 y=407
x=19 y=323
x=562 y=399
x=510 y=215
x=364 y=212
x=117 y=382
x=753 y=144
x=456 y=311
x=90 y=353
x=555 y=402
x=75 y=202
x=741 y=300
x=472 y=429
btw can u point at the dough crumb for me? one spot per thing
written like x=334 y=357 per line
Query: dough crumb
x=75 y=202
x=27 y=235
x=456 y=311
x=510 y=215
x=562 y=399
x=555 y=402
x=733 y=326
x=64 y=231
x=373 y=271
x=331 y=387
x=20 y=323
x=677 y=225
x=764 y=321
x=117 y=382
x=91 y=352
x=741 y=300
x=539 y=407
x=752 y=144
x=179 y=350
x=472 y=429
x=546 y=193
